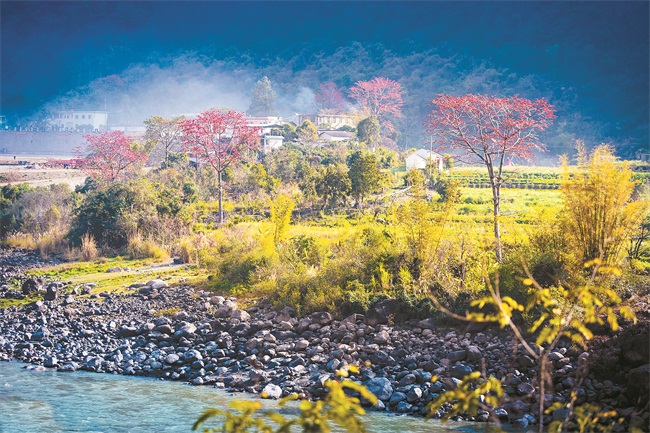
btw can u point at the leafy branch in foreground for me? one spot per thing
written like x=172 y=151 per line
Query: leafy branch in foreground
x=315 y=416
x=564 y=312
x=470 y=395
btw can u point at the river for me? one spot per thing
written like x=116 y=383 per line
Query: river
x=52 y=402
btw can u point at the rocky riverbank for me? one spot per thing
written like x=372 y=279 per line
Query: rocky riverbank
x=182 y=334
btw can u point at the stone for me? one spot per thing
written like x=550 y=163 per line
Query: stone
x=403 y=407
x=301 y=344
x=473 y=353
x=31 y=285
x=192 y=355
x=382 y=311
x=381 y=387
x=409 y=379
x=525 y=388
x=271 y=391
x=157 y=284
x=322 y=318
x=240 y=315
x=414 y=394
x=459 y=371
x=638 y=384
x=382 y=337
x=458 y=355
x=51 y=362
x=172 y=358
x=396 y=398
x=51 y=292
x=127 y=331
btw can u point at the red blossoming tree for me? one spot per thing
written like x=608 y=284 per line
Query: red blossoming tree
x=329 y=97
x=490 y=130
x=381 y=97
x=220 y=139
x=111 y=155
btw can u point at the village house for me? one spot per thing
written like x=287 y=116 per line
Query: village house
x=342 y=136
x=329 y=121
x=421 y=157
x=76 y=120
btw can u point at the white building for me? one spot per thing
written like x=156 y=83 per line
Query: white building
x=73 y=120
x=336 y=136
x=270 y=142
x=420 y=158
x=329 y=121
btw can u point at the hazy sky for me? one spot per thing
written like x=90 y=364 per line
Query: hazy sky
x=600 y=48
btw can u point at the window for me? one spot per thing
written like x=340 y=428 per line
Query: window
x=90 y=116
x=83 y=116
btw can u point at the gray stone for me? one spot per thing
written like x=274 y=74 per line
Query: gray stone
x=525 y=388
x=51 y=362
x=458 y=355
x=380 y=387
x=459 y=371
x=382 y=311
x=382 y=337
x=240 y=315
x=396 y=398
x=409 y=379
x=192 y=355
x=322 y=318
x=414 y=394
x=172 y=358
x=272 y=391
x=157 y=284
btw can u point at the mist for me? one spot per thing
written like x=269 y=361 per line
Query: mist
x=189 y=83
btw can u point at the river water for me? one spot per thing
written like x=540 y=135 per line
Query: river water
x=52 y=402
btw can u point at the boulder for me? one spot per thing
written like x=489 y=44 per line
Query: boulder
x=32 y=285
x=638 y=385
x=380 y=387
x=272 y=391
x=382 y=311
x=51 y=292
x=156 y=284
x=322 y=318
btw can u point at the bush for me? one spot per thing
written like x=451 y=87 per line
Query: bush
x=88 y=250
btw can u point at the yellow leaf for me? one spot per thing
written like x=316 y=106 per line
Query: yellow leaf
x=528 y=281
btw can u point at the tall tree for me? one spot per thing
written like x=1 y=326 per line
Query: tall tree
x=164 y=136
x=490 y=130
x=365 y=177
x=368 y=131
x=329 y=97
x=307 y=132
x=111 y=155
x=263 y=103
x=333 y=185
x=220 y=139
x=381 y=98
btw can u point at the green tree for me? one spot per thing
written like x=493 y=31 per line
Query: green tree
x=416 y=180
x=368 y=131
x=263 y=103
x=307 y=132
x=333 y=185
x=365 y=177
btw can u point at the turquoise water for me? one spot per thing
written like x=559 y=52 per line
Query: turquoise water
x=47 y=401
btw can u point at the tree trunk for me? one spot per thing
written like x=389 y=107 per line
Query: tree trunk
x=496 y=199
x=220 y=200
